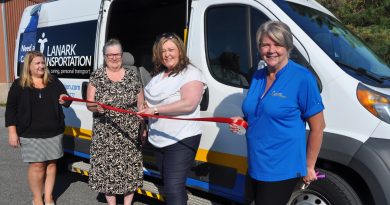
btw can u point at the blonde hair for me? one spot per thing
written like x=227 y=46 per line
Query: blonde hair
x=277 y=31
x=158 y=58
x=25 y=78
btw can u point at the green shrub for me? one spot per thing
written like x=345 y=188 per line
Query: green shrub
x=368 y=19
x=377 y=38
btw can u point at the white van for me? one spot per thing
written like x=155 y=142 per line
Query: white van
x=220 y=37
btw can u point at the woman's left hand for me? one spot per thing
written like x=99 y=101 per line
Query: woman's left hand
x=234 y=127
x=13 y=140
x=311 y=176
x=148 y=110
x=60 y=100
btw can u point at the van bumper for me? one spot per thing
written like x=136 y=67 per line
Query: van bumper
x=372 y=162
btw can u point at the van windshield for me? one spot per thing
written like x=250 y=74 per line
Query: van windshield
x=342 y=46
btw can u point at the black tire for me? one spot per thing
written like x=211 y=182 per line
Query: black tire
x=332 y=190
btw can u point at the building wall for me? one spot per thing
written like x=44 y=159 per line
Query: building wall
x=12 y=11
x=3 y=78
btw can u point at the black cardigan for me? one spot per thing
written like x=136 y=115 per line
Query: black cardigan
x=18 y=109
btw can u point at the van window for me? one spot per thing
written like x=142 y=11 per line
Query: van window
x=231 y=47
x=342 y=46
x=137 y=23
x=229 y=30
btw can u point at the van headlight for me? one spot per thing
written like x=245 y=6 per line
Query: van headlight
x=375 y=102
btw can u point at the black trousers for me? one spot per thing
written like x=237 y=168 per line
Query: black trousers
x=269 y=193
x=174 y=163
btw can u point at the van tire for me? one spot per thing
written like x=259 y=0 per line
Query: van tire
x=330 y=190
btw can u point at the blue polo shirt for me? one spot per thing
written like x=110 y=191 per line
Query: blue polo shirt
x=276 y=136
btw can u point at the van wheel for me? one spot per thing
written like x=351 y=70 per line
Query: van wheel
x=330 y=190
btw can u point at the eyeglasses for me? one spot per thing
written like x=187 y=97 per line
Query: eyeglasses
x=112 y=55
x=169 y=35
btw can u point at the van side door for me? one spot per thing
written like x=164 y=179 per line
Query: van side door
x=222 y=42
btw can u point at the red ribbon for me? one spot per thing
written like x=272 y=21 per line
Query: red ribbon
x=241 y=123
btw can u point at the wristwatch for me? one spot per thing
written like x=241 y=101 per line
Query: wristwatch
x=155 y=110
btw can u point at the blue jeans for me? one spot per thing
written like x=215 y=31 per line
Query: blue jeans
x=174 y=163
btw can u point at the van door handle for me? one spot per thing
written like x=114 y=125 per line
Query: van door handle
x=204 y=104
x=84 y=87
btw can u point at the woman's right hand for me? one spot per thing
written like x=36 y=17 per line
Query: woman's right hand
x=234 y=127
x=13 y=140
x=60 y=100
x=99 y=109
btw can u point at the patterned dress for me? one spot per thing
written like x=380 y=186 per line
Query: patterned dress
x=116 y=158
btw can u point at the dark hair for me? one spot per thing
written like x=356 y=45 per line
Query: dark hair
x=157 y=54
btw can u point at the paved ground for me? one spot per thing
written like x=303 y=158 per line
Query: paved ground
x=70 y=188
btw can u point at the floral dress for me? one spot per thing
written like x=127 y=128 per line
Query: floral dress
x=116 y=158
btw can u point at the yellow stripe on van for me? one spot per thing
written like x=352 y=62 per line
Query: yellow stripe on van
x=78 y=132
x=185 y=36
x=237 y=162
x=228 y=160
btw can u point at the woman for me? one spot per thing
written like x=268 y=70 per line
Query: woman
x=175 y=90
x=116 y=159
x=35 y=122
x=281 y=99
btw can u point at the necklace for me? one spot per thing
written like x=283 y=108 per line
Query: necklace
x=40 y=91
x=39 y=86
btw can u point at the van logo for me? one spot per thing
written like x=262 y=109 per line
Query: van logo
x=42 y=42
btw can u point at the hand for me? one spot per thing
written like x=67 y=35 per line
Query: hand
x=142 y=110
x=148 y=110
x=100 y=109
x=234 y=127
x=13 y=140
x=139 y=116
x=310 y=177
x=60 y=100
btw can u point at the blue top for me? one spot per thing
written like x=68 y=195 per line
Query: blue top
x=276 y=136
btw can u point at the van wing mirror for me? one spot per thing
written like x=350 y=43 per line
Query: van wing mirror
x=84 y=87
x=204 y=104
